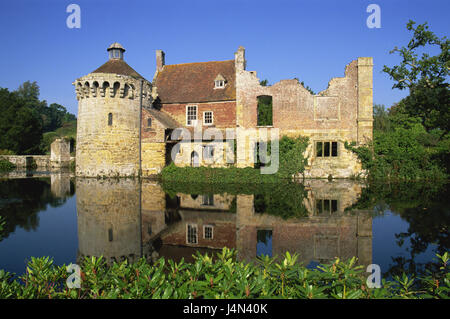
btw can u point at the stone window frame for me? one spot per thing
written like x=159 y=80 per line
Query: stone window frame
x=192 y=234
x=204 y=118
x=187 y=115
x=316 y=149
x=211 y=227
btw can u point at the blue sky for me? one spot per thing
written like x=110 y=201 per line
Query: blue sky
x=311 y=40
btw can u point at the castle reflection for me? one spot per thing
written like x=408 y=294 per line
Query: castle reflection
x=126 y=218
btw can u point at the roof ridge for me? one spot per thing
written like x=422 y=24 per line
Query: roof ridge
x=199 y=62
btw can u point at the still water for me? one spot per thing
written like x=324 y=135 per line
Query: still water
x=398 y=226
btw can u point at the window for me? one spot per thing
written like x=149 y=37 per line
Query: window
x=149 y=122
x=208 y=118
x=264 y=112
x=192 y=234
x=110 y=119
x=191 y=114
x=326 y=206
x=219 y=84
x=208 y=232
x=208 y=152
x=326 y=149
x=208 y=200
x=110 y=234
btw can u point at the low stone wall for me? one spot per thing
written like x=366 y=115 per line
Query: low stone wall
x=41 y=161
x=24 y=161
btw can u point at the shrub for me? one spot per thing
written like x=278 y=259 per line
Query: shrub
x=220 y=276
x=6 y=166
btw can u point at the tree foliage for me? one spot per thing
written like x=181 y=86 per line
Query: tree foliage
x=426 y=77
x=25 y=118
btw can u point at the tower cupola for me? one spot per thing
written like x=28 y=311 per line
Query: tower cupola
x=116 y=51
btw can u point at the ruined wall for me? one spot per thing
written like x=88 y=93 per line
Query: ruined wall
x=103 y=148
x=320 y=237
x=342 y=112
x=60 y=153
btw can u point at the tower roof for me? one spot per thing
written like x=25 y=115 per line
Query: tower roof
x=116 y=66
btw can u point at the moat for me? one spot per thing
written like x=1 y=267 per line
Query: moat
x=397 y=226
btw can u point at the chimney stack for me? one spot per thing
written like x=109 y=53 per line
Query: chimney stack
x=239 y=58
x=160 y=60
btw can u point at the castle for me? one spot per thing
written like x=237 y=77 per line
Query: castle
x=127 y=125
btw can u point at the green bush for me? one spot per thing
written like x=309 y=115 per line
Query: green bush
x=6 y=166
x=7 y=152
x=291 y=161
x=220 y=276
x=401 y=154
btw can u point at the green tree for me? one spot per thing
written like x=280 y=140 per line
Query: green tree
x=381 y=119
x=20 y=126
x=426 y=77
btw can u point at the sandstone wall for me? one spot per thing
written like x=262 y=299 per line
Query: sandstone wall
x=103 y=148
x=108 y=218
x=342 y=112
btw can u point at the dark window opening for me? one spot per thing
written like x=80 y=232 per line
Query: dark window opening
x=110 y=234
x=149 y=122
x=265 y=112
x=110 y=119
x=326 y=149
x=319 y=149
x=264 y=242
x=326 y=206
x=334 y=149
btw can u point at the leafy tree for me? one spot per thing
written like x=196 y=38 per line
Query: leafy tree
x=381 y=119
x=20 y=127
x=426 y=77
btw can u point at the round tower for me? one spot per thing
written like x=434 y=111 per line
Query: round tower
x=108 y=126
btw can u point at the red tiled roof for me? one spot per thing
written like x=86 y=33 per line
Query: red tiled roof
x=194 y=82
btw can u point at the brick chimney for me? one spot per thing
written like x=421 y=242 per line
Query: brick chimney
x=160 y=60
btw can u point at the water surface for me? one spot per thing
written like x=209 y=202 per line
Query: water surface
x=398 y=226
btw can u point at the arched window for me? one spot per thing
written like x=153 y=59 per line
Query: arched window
x=110 y=119
x=195 y=161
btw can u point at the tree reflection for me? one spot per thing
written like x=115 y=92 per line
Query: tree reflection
x=425 y=207
x=21 y=200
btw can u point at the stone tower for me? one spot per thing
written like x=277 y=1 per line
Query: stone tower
x=109 y=109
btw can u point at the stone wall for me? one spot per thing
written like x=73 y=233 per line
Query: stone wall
x=103 y=148
x=341 y=113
